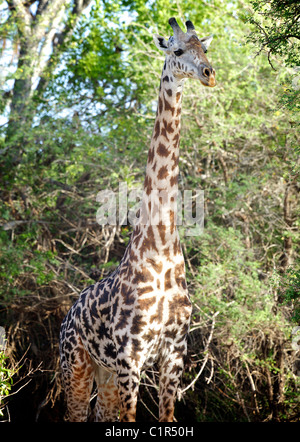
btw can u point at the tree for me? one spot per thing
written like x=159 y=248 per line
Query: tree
x=39 y=32
x=277 y=32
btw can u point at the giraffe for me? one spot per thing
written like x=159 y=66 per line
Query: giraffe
x=139 y=315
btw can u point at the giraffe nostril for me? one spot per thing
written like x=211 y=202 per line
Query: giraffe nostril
x=206 y=72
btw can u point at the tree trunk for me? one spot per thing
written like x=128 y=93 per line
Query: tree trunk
x=39 y=34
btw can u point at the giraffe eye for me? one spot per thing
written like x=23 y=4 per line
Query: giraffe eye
x=178 y=52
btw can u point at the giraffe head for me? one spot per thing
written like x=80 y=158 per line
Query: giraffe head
x=186 y=53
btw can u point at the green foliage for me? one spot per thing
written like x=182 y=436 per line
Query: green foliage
x=6 y=381
x=228 y=282
x=277 y=32
x=278 y=29
x=20 y=258
x=289 y=291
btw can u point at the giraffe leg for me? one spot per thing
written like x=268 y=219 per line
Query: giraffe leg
x=108 y=404
x=77 y=375
x=128 y=387
x=168 y=384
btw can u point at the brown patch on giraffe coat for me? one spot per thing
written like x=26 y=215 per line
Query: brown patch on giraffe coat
x=168 y=284
x=179 y=310
x=175 y=160
x=163 y=379
x=148 y=242
x=143 y=290
x=162 y=232
x=176 y=139
x=178 y=95
x=123 y=319
x=176 y=247
x=162 y=150
x=160 y=105
x=127 y=294
x=173 y=180
x=180 y=349
x=142 y=276
x=157 y=266
x=151 y=155
x=137 y=236
x=145 y=304
x=168 y=107
x=136 y=349
x=168 y=411
x=180 y=275
x=158 y=316
x=156 y=130
x=164 y=133
x=169 y=92
x=166 y=252
x=132 y=256
x=162 y=173
x=167 y=129
x=127 y=416
x=137 y=325
x=172 y=220
x=148 y=185
x=177 y=369
x=150 y=335
x=171 y=334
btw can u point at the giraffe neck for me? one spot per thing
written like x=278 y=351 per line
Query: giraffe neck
x=155 y=234
x=162 y=171
x=162 y=164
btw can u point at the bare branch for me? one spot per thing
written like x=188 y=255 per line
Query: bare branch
x=181 y=391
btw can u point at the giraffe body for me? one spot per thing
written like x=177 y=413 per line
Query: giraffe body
x=140 y=314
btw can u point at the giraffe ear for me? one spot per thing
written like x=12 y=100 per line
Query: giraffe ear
x=161 y=43
x=206 y=41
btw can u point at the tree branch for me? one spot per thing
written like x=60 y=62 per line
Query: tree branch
x=59 y=40
x=45 y=29
x=23 y=15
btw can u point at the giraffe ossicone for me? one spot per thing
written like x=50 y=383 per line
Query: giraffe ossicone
x=139 y=315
